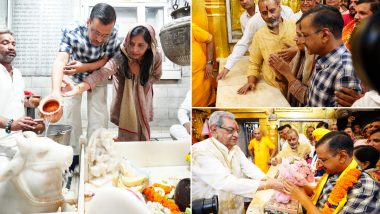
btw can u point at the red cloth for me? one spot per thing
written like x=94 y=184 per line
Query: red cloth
x=26 y=93
x=347 y=19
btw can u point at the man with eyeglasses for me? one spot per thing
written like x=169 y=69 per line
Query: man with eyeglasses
x=219 y=167
x=262 y=150
x=344 y=188
x=84 y=48
x=321 y=28
x=305 y=6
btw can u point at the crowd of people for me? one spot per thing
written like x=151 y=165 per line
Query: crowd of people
x=306 y=54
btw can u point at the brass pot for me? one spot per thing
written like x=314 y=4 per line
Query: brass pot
x=175 y=40
x=34 y=101
x=50 y=109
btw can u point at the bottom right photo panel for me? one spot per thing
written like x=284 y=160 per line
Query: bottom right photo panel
x=285 y=160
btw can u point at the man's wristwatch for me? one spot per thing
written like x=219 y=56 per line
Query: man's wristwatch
x=211 y=62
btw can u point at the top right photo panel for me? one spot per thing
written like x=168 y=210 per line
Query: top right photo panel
x=285 y=53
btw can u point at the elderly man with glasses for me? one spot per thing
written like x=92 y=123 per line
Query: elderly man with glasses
x=84 y=48
x=219 y=167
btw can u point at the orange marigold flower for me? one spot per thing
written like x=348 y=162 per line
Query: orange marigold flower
x=340 y=189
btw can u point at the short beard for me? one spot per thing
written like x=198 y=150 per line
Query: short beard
x=6 y=59
x=274 y=23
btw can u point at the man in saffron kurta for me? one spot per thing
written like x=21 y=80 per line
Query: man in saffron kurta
x=203 y=83
x=262 y=149
x=268 y=40
x=343 y=189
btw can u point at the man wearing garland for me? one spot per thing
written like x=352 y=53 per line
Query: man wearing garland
x=344 y=188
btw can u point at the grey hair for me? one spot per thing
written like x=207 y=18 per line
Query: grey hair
x=293 y=131
x=216 y=117
x=6 y=31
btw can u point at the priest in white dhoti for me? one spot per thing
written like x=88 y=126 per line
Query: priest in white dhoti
x=219 y=167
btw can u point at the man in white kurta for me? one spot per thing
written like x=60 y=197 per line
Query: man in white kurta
x=182 y=131
x=11 y=89
x=250 y=10
x=219 y=167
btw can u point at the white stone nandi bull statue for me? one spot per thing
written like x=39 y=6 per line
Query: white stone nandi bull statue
x=31 y=180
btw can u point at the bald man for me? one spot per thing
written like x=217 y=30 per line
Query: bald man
x=268 y=40
x=262 y=149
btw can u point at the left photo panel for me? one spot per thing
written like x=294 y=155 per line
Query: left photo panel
x=95 y=106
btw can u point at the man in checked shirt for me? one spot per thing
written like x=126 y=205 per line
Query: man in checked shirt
x=84 y=48
x=321 y=28
x=343 y=183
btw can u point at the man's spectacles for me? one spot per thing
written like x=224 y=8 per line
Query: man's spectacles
x=306 y=1
x=307 y=35
x=325 y=160
x=98 y=34
x=230 y=130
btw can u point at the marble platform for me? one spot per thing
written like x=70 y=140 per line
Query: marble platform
x=263 y=96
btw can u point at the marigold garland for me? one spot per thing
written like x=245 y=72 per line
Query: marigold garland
x=167 y=189
x=340 y=190
x=152 y=195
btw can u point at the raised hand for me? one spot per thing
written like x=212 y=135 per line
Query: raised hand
x=73 y=67
x=279 y=64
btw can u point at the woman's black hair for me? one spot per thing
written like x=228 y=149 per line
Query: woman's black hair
x=147 y=59
x=367 y=153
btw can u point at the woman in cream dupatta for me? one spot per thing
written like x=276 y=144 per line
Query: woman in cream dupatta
x=134 y=68
x=297 y=72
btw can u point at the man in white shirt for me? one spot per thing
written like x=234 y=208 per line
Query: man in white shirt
x=12 y=113
x=219 y=167
x=184 y=115
x=250 y=10
x=282 y=133
x=253 y=25
x=305 y=6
